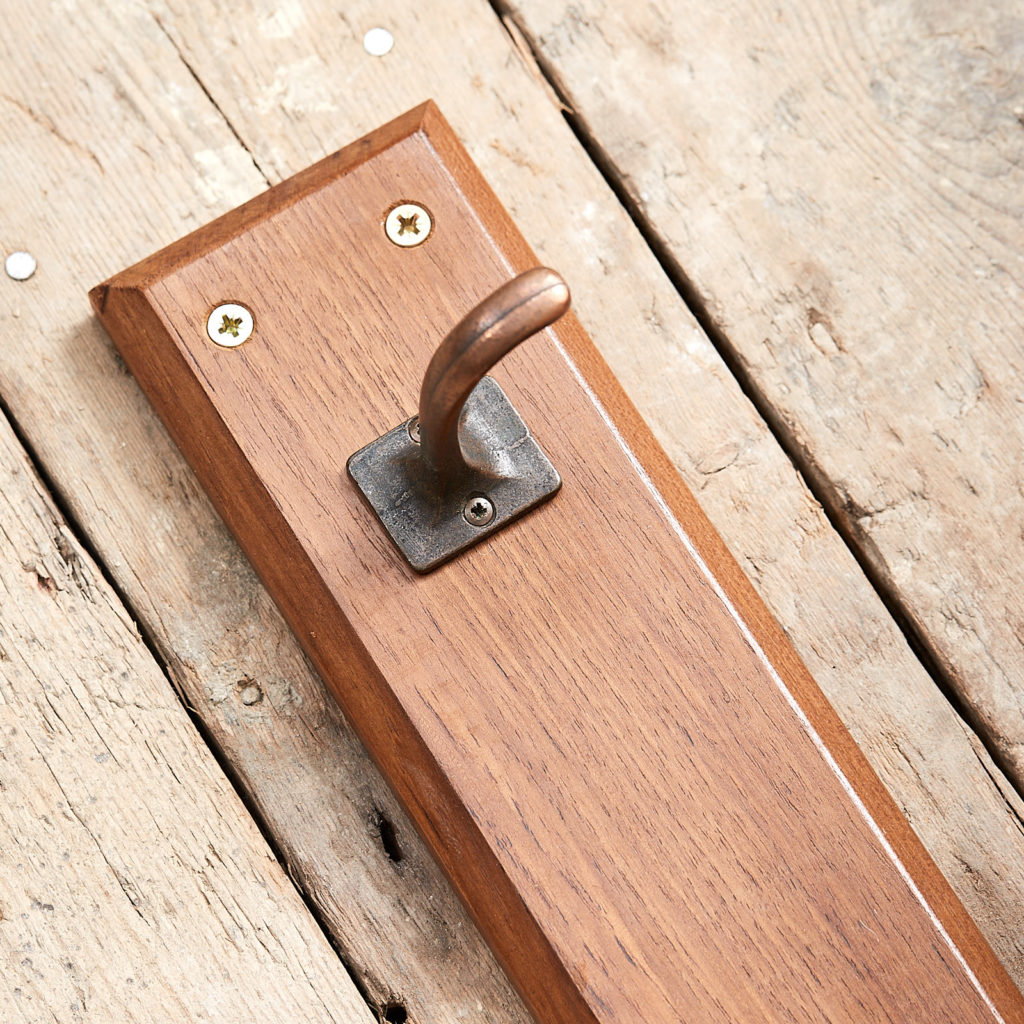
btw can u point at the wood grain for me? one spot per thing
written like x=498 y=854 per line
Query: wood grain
x=134 y=885
x=159 y=117
x=602 y=734
x=307 y=68
x=843 y=186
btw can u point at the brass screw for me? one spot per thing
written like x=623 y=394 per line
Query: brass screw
x=230 y=324
x=408 y=224
x=414 y=430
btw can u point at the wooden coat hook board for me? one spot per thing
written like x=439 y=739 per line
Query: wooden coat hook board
x=607 y=741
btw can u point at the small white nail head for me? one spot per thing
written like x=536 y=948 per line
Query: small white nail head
x=20 y=265
x=230 y=324
x=378 y=41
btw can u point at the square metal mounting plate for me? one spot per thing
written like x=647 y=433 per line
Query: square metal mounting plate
x=428 y=526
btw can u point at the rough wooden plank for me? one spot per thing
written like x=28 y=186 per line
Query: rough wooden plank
x=133 y=883
x=114 y=150
x=603 y=735
x=844 y=186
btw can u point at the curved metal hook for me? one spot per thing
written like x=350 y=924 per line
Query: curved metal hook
x=522 y=307
x=472 y=467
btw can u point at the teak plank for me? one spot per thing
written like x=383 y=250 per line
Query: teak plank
x=309 y=86
x=134 y=885
x=605 y=739
x=843 y=186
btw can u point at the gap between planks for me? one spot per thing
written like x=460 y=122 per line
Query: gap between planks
x=88 y=715
x=806 y=466
x=830 y=158
x=81 y=538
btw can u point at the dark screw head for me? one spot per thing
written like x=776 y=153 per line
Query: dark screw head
x=478 y=511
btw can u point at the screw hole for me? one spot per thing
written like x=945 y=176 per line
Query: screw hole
x=389 y=840
x=249 y=692
x=395 y=1013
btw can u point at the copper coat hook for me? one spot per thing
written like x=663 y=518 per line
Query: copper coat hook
x=516 y=311
x=467 y=466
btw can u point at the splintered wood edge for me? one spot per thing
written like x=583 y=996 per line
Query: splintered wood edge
x=456 y=841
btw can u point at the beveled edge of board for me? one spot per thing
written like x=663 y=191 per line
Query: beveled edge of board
x=141 y=334
x=274 y=199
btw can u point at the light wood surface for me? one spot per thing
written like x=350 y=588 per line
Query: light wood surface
x=604 y=738
x=843 y=186
x=134 y=885
x=115 y=150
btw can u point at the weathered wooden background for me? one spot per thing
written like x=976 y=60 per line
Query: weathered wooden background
x=794 y=232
